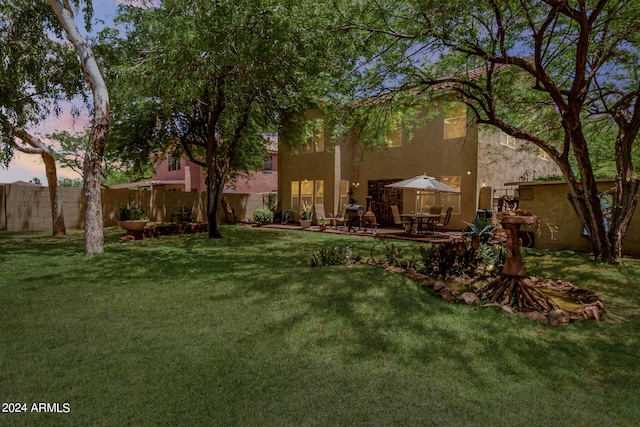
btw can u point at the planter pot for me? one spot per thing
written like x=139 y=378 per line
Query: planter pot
x=305 y=223
x=132 y=225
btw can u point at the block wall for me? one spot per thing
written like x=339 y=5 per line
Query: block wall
x=25 y=208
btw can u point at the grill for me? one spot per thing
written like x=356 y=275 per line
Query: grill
x=353 y=216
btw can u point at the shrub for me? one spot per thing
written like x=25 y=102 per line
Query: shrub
x=333 y=255
x=132 y=212
x=263 y=215
x=480 y=229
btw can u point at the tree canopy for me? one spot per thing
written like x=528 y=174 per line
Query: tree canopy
x=563 y=75
x=213 y=78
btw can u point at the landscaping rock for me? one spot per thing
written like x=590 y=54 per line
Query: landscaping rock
x=558 y=317
x=507 y=309
x=470 y=298
x=438 y=286
x=447 y=295
x=537 y=316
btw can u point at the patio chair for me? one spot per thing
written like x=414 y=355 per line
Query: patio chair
x=320 y=215
x=340 y=217
x=406 y=223
x=445 y=221
x=435 y=210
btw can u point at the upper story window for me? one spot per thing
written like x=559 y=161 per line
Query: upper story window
x=395 y=138
x=268 y=164
x=315 y=137
x=455 y=119
x=173 y=162
x=507 y=140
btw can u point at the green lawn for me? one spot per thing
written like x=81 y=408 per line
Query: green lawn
x=188 y=331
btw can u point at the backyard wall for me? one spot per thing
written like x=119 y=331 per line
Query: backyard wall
x=549 y=201
x=25 y=208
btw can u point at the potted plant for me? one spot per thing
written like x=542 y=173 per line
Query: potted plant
x=322 y=222
x=306 y=215
x=132 y=217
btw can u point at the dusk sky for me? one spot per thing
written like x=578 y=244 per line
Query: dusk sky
x=25 y=167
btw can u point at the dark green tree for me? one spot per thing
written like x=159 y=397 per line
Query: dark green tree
x=212 y=78
x=563 y=75
x=47 y=60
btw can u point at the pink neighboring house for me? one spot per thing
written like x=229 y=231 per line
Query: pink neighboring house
x=183 y=175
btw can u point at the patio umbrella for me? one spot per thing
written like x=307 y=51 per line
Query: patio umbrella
x=423 y=183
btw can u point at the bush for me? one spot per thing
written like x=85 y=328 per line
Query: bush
x=333 y=255
x=132 y=212
x=263 y=215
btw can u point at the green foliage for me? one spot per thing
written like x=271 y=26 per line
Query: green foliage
x=559 y=75
x=462 y=257
x=306 y=211
x=40 y=69
x=70 y=182
x=391 y=254
x=263 y=215
x=132 y=212
x=333 y=254
x=480 y=229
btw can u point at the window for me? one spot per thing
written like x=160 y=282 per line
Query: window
x=455 y=120
x=451 y=199
x=507 y=140
x=268 y=164
x=424 y=200
x=308 y=191
x=319 y=192
x=173 y=162
x=395 y=137
x=315 y=137
x=344 y=194
x=295 y=195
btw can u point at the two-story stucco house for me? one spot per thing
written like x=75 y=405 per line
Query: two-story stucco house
x=476 y=160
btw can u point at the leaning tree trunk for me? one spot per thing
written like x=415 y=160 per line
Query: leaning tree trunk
x=93 y=222
x=58 y=226
x=35 y=146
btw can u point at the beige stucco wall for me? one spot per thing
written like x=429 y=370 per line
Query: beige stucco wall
x=29 y=209
x=549 y=201
x=426 y=152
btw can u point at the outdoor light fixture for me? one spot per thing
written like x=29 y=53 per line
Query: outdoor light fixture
x=469 y=172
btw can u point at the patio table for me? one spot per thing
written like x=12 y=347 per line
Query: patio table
x=425 y=223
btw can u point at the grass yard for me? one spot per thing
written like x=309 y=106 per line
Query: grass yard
x=187 y=331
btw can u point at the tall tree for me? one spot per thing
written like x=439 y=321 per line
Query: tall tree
x=214 y=77
x=559 y=74
x=39 y=70
x=93 y=222
x=36 y=74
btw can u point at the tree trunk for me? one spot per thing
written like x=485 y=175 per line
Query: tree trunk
x=93 y=222
x=58 y=226
x=214 y=197
x=36 y=146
